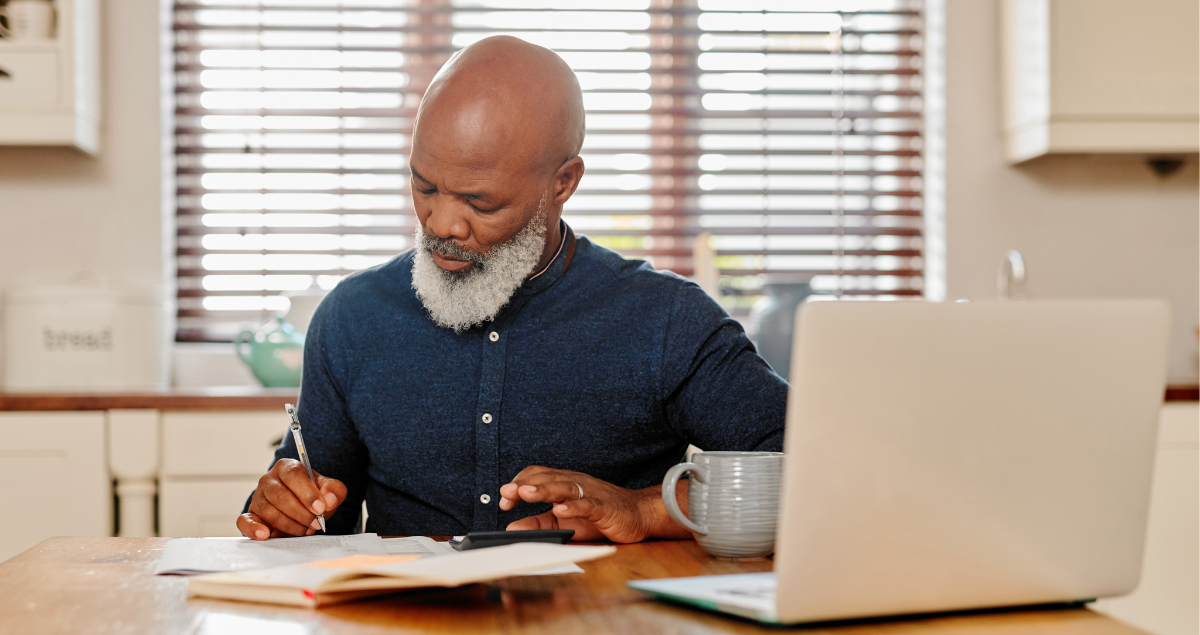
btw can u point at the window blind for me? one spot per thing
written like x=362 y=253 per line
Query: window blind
x=787 y=134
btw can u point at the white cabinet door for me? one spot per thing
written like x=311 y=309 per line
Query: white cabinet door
x=220 y=443
x=211 y=463
x=203 y=507
x=54 y=464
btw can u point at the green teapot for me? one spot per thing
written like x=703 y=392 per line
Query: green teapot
x=276 y=353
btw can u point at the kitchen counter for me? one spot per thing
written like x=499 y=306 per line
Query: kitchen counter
x=245 y=398
x=215 y=398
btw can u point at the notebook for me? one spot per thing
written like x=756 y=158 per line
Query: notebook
x=344 y=579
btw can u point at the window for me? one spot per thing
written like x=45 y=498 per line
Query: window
x=786 y=134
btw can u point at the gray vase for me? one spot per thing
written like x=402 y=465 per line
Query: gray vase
x=772 y=320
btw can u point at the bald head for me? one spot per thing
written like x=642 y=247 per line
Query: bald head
x=495 y=151
x=503 y=94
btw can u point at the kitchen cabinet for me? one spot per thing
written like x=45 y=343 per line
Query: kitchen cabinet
x=56 y=478
x=49 y=89
x=211 y=461
x=1100 y=76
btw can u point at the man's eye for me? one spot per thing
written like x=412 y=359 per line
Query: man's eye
x=425 y=191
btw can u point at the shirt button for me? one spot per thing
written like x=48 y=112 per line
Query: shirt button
x=485 y=499
x=493 y=336
x=487 y=417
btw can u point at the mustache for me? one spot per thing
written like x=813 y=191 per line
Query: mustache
x=450 y=248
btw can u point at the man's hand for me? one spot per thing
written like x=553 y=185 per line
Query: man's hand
x=605 y=511
x=286 y=502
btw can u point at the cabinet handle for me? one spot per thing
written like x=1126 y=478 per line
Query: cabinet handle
x=4 y=73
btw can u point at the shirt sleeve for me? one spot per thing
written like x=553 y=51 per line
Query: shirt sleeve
x=332 y=441
x=719 y=393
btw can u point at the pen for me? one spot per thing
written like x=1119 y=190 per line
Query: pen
x=291 y=410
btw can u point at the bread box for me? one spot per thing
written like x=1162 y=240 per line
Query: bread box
x=85 y=337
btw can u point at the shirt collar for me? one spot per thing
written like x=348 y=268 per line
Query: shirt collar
x=553 y=271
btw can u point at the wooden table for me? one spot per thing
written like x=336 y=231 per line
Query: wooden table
x=106 y=585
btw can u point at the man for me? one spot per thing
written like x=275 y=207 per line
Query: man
x=506 y=373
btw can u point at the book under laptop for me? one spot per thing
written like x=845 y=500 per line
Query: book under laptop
x=945 y=457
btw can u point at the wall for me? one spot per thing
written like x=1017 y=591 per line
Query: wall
x=1088 y=226
x=62 y=212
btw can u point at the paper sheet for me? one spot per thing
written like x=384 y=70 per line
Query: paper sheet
x=188 y=556
x=417 y=546
x=566 y=568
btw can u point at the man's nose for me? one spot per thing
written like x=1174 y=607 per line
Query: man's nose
x=447 y=219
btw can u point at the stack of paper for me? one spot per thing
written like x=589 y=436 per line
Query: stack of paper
x=188 y=556
x=363 y=575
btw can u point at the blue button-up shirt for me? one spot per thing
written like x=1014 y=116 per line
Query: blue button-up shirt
x=605 y=366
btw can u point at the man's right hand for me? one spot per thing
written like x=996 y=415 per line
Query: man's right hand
x=286 y=502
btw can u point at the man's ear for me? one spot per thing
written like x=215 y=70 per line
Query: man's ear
x=566 y=180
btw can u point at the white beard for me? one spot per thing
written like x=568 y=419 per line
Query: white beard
x=462 y=300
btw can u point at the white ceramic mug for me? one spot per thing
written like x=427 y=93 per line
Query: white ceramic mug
x=28 y=20
x=733 y=500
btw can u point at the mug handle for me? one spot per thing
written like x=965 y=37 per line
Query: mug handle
x=668 y=494
x=238 y=341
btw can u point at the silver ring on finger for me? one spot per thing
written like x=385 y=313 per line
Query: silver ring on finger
x=578 y=487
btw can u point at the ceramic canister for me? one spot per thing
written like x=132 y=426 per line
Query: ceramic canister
x=733 y=501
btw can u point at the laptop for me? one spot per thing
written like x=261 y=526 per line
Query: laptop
x=945 y=457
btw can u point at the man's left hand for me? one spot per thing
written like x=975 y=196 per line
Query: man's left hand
x=604 y=511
